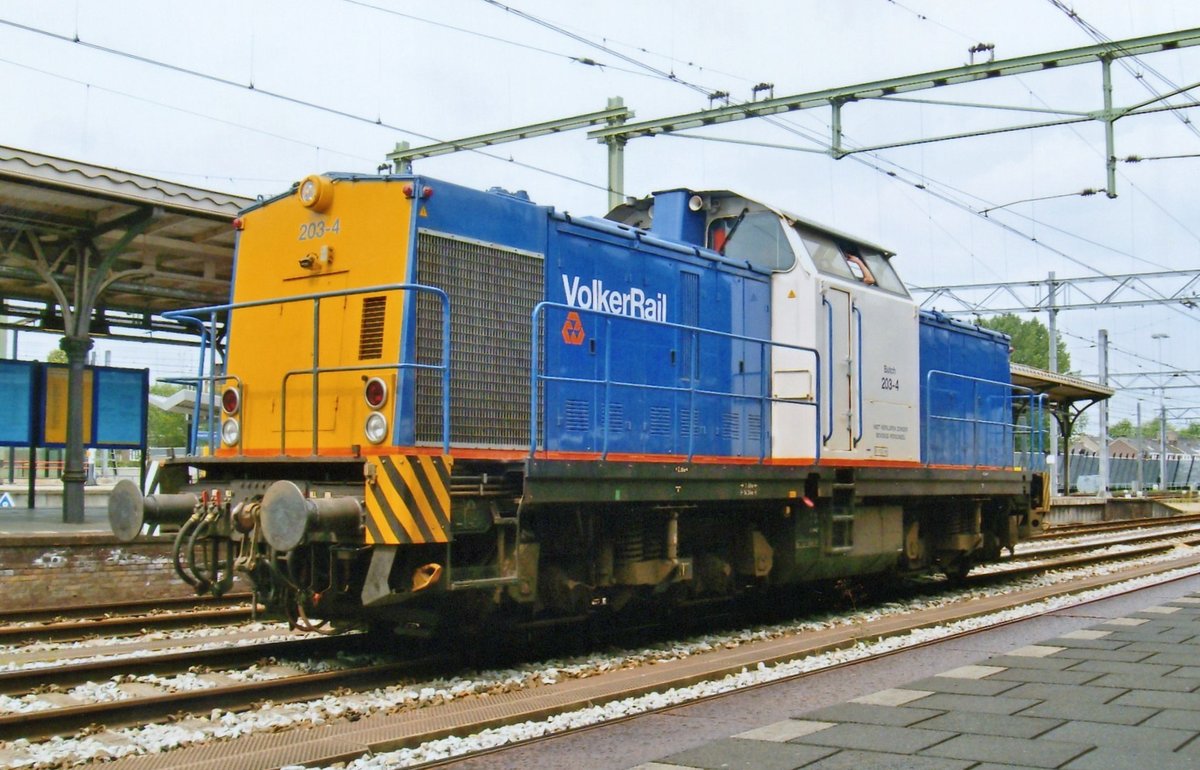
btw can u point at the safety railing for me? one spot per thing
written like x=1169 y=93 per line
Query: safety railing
x=1011 y=431
x=691 y=390
x=207 y=318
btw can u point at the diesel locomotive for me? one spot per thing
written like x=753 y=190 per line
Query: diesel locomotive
x=434 y=406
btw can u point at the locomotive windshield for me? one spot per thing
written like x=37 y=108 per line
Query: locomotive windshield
x=754 y=236
x=852 y=262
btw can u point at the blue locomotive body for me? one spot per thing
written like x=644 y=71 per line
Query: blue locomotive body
x=698 y=396
x=627 y=370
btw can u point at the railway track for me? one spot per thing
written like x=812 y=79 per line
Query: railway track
x=92 y=611
x=461 y=717
x=232 y=697
x=196 y=614
x=1184 y=534
x=1071 y=530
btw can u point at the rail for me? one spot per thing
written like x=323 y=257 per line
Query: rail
x=537 y=377
x=1011 y=430
x=207 y=318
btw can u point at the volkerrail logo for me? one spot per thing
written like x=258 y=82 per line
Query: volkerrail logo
x=633 y=302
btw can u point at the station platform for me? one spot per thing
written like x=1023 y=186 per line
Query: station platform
x=1120 y=692
x=43 y=520
x=17 y=519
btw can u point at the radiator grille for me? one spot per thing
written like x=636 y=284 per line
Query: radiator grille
x=492 y=293
x=370 y=335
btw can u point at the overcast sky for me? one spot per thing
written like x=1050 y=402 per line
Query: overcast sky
x=163 y=89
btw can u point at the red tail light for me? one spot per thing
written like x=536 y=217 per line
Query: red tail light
x=231 y=400
x=376 y=392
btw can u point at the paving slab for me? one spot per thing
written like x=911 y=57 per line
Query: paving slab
x=982 y=748
x=1042 y=675
x=872 y=714
x=1139 y=682
x=1124 y=667
x=899 y=740
x=1121 y=736
x=735 y=753
x=1176 y=718
x=872 y=760
x=1091 y=712
x=964 y=686
x=977 y=703
x=991 y=724
x=785 y=730
x=1075 y=692
x=1050 y=663
x=1122 y=654
x=1187 y=672
x=1113 y=758
x=1158 y=699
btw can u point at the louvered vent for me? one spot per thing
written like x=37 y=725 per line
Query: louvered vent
x=660 y=421
x=614 y=415
x=578 y=414
x=689 y=422
x=370 y=335
x=492 y=295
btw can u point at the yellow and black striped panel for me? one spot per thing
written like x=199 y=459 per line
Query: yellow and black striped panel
x=408 y=500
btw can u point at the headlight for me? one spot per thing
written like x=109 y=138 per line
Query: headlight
x=231 y=432
x=315 y=192
x=376 y=427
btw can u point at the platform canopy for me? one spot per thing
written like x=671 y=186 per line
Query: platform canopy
x=1059 y=388
x=1068 y=398
x=84 y=248
x=164 y=246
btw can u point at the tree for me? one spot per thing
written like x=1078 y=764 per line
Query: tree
x=165 y=429
x=1121 y=429
x=1030 y=341
x=1126 y=429
x=56 y=356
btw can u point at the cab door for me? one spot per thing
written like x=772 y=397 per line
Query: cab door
x=839 y=412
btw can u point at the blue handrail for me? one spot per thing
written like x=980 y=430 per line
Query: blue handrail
x=1036 y=403
x=194 y=316
x=536 y=377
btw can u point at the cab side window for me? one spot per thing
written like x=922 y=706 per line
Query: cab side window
x=756 y=237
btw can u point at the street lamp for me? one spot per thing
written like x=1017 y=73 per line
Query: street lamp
x=1162 y=417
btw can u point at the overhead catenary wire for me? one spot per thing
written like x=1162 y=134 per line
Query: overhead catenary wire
x=375 y=121
x=795 y=130
x=1100 y=37
x=249 y=86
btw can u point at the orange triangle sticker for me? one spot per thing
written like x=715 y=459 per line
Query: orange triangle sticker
x=791 y=293
x=422 y=212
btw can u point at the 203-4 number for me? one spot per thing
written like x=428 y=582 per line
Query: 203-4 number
x=318 y=229
x=888 y=383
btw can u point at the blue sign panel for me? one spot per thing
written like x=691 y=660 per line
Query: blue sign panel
x=114 y=406
x=120 y=403
x=17 y=388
